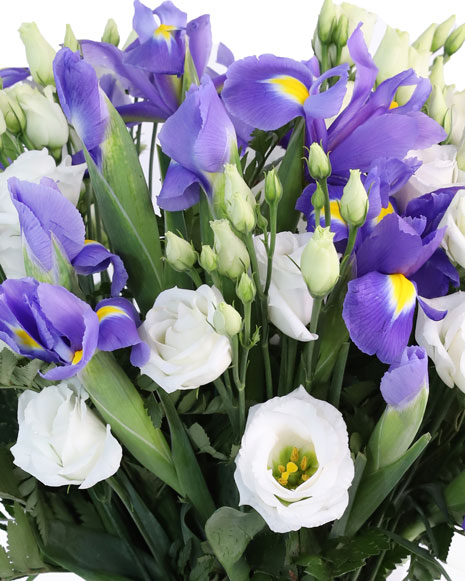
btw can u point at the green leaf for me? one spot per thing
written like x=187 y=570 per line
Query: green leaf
x=188 y=470
x=22 y=546
x=202 y=441
x=6 y=569
x=127 y=212
x=229 y=532
x=351 y=554
x=8 y=481
x=374 y=488
x=291 y=172
x=8 y=362
x=120 y=405
x=316 y=567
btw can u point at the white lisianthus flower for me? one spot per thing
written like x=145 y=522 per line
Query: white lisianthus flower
x=185 y=350
x=289 y=302
x=444 y=341
x=454 y=237
x=294 y=465
x=438 y=170
x=456 y=101
x=31 y=166
x=61 y=441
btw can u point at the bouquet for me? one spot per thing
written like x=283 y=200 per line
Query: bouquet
x=256 y=371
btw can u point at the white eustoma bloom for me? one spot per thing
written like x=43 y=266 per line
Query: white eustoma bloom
x=185 y=350
x=289 y=302
x=438 y=170
x=454 y=237
x=61 y=441
x=456 y=101
x=444 y=341
x=294 y=465
x=31 y=166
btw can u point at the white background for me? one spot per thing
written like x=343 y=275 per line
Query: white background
x=282 y=27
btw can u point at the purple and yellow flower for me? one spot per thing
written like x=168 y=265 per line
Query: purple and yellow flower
x=200 y=139
x=380 y=302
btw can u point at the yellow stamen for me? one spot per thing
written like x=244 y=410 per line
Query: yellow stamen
x=164 y=31
x=282 y=481
x=109 y=310
x=294 y=455
x=291 y=467
x=77 y=357
x=305 y=477
x=27 y=340
x=403 y=291
x=384 y=212
x=393 y=105
x=303 y=464
x=281 y=468
x=291 y=87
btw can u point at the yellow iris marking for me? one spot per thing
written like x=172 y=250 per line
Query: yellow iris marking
x=291 y=87
x=335 y=212
x=393 y=105
x=77 y=357
x=403 y=291
x=164 y=30
x=384 y=212
x=107 y=311
x=90 y=242
x=27 y=340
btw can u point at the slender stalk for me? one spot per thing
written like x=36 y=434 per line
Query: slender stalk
x=270 y=249
x=225 y=395
x=152 y=155
x=194 y=275
x=324 y=187
x=310 y=346
x=317 y=217
x=348 y=251
x=2 y=274
x=138 y=138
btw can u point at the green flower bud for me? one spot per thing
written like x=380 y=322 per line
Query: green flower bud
x=179 y=253
x=233 y=258
x=436 y=76
x=239 y=200
x=320 y=263
x=392 y=54
x=318 y=198
x=455 y=40
x=111 y=34
x=2 y=124
x=340 y=33
x=437 y=107
x=441 y=33
x=245 y=290
x=70 y=39
x=226 y=320
x=15 y=118
x=318 y=162
x=425 y=40
x=39 y=54
x=208 y=259
x=326 y=21
x=354 y=202
x=262 y=222
x=273 y=187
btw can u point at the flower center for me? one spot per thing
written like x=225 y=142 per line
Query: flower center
x=294 y=467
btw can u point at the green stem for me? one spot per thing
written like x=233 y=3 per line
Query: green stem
x=270 y=249
x=152 y=155
x=348 y=251
x=138 y=137
x=324 y=187
x=2 y=274
x=338 y=375
x=310 y=346
x=88 y=199
x=317 y=216
x=324 y=58
x=194 y=275
x=226 y=399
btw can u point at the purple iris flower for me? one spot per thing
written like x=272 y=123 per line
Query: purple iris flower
x=47 y=217
x=200 y=139
x=150 y=67
x=405 y=378
x=11 y=76
x=81 y=98
x=42 y=321
x=380 y=302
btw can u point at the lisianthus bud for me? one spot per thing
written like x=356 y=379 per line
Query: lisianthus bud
x=455 y=40
x=354 y=201
x=318 y=162
x=239 y=200
x=340 y=33
x=320 y=263
x=404 y=387
x=179 y=253
x=70 y=39
x=425 y=40
x=318 y=198
x=46 y=125
x=39 y=54
x=233 y=258
x=436 y=76
x=326 y=21
x=111 y=34
x=273 y=187
x=245 y=290
x=437 y=107
x=226 y=320
x=208 y=259
x=441 y=33
x=392 y=54
x=14 y=116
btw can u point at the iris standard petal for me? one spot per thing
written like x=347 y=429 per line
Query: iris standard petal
x=12 y=75
x=404 y=379
x=180 y=189
x=168 y=13
x=143 y=21
x=200 y=42
x=162 y=53
x=326 y=104
x=378 y=311
x=434 y=278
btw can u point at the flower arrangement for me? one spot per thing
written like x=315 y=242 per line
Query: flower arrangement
x=254 y=373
